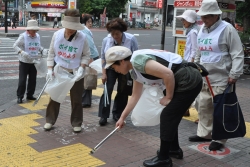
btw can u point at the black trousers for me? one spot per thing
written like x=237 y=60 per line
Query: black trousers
x=172 y=114
x=121 y=97
x=55 y=24
x=87 y=97
x=13 y=24
x=26 y=69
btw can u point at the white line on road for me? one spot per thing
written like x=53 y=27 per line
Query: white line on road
x=46 y=36
x=6 y=47
x=8 y=53
x=12 y=56
x=4 y=61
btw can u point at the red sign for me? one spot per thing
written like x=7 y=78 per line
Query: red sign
x=150 y=4
x=184 y=3
x=159 y=4
x=48 y=4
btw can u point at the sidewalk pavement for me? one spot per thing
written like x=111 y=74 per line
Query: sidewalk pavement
x=24 y=143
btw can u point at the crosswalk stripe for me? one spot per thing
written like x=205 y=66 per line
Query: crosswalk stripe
x=8 y=53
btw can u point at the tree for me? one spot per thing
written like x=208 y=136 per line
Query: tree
x=85 y=6
x=115 y=7
x=243 y=14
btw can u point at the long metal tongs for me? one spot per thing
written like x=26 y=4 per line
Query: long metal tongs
x=38 y=98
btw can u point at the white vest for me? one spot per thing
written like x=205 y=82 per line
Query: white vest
x=188 y=46
x=32 y=45
x=127 y=43
x=68 y=54
x=168 y=56
x=208 y=45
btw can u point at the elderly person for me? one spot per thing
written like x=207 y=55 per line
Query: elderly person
x=87 y=21
x=28 y=46
x=70 y=50
x=188 y=19
x=180 y=82
x=220 y=51
x=117 y=37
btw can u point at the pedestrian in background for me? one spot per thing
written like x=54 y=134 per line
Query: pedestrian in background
x=55 y=22
x=87 y=21
x=117 y=37
x=13 y=22
x=70 y=50
x=221 y=53
x=28 y=46
x=180 y=82
x=188 y=19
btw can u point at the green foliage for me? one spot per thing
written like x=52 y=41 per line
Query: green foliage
x=96 y=7
x=242 y=11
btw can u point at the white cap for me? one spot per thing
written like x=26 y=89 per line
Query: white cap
x=189 y=15
x=209 y=7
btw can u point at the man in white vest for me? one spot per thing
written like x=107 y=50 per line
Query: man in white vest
x=221 y=53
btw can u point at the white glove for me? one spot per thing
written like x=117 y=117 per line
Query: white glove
x=35 y=61
x=45 y=52
x=50 y=74
x=79 y=74
x=24 y=54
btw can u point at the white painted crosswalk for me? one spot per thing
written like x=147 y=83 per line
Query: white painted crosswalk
x=8 y=60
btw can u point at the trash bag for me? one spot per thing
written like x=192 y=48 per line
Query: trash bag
x=41 y=66
x=148 y=109
x=97 y=65
x=90 y=79
x=59 y=87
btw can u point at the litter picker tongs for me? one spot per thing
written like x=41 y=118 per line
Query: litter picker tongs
x=105 y=139
x=38 y=98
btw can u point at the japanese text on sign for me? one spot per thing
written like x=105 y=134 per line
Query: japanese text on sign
x=181 y=47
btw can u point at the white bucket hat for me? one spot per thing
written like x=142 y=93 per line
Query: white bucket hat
x=72 y=23
x=209 y=7
x=32 y=25
x=189 y=15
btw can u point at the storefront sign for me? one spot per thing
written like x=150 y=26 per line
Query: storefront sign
x=72 y=4
x=181 y=47
x=184 y=3
x=49 y=4
x=54 y=14
x=150 y=4
x=159 y=4
x=226 y=6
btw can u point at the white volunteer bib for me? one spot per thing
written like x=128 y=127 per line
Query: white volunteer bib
x=170 y=57
x=68 y=54
x=208 y=44
x=32 y=45
x=188 y=46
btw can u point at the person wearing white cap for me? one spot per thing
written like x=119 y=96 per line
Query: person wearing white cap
x=188 y=19
x=69 y=49
x=221 y=53
x=28 y=46
x=178 y=79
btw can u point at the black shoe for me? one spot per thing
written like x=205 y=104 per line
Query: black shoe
x=178 y=154
x=19 y=100
x=116 y=118
x=103 y=121
x=156 y=162
x=198 y=139
x=215 y=146
x=86 y=106
x=30 y=98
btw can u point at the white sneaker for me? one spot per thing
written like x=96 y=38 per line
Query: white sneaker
x=47 y=126
x=77 y=129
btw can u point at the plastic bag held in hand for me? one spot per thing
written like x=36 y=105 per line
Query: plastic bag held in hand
x=50 y=74
x=45 y=52
x=79 y=74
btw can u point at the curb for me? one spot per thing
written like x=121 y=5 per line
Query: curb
x=9 y=35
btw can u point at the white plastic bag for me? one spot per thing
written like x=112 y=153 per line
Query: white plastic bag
x=41 y=66
x=59 y=87
x=148 y=109
x=97 y=65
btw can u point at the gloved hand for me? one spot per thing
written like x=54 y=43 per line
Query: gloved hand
x=50 y=74
x=24 y=54
x=79 y=74
x=45 y=52
x=35 y=61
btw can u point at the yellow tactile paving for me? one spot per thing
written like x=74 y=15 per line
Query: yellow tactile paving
x=42 y=103
x=194 y=115
x=15 y=151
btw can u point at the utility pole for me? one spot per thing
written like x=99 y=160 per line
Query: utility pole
x=6 y=17
x=163 y=24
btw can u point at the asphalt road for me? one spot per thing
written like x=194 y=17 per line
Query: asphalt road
x=147 y=39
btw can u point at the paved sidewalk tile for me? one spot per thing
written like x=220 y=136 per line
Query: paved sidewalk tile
x=24 y=142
